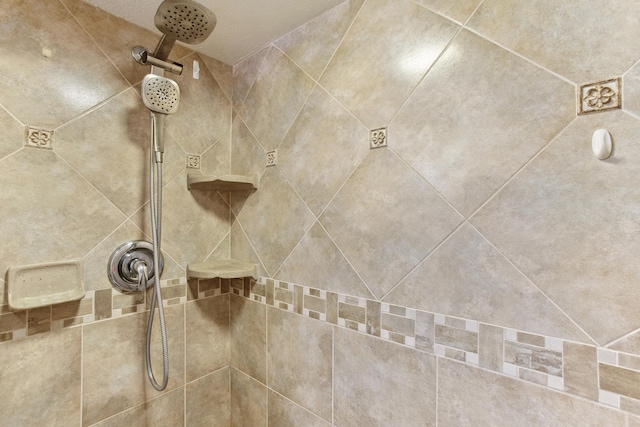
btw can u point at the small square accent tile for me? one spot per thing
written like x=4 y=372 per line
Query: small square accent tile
x=378 y=138
x=272 y=158
x=193 y=162
x=38 y=138
x=600 y=96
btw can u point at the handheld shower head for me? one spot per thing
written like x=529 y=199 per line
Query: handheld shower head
x=183 y=20
x=162 y=97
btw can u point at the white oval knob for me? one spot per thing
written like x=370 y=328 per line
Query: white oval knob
x=601 y=144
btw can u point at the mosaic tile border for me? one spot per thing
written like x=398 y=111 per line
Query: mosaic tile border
x=574 y=368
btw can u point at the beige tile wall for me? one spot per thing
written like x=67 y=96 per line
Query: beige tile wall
x=485 y=240
x=82 y=363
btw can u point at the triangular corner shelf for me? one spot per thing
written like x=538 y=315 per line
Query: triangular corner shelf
x=225 y=269
x=222 y=182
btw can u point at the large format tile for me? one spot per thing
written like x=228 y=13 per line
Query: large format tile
x=248 y=330
x=275 y=98
x=114 y=372
x=207 y=336
x=381 y=383
x=50 y=212
x=318 y=263
x=285 y=413
x=41 y=376
x=459 y=10
x=12 y=137
x=573 y=31
x=248 y=401
x=274 y=219
x=466 y=277
x=75 y=77
x=208 y=400
x=299 y=360
x=312 y=45
x=383 y=56
x=164 y=411
x=204 y=113
x=244 y=75
x=116 y=135
x=472 y=124
x=569 y=222
x=386 y=209
x=469 y=396
x=247 y=155
x=321 y=150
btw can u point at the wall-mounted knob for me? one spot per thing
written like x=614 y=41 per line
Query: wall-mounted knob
x=601 y=144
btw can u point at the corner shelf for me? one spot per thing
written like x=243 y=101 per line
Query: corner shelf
x=225 y=269
x=222 y=182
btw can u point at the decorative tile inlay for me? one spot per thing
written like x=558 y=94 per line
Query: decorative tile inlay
x=378 y=138
x=38 y=138
x=600 y=96
x=272 y=158
x=193 y=162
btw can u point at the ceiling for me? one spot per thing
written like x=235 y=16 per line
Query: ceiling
x=244 y=26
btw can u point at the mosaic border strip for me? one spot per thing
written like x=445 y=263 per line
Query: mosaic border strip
x=566 y=366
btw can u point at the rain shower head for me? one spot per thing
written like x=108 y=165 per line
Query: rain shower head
x=183 y=20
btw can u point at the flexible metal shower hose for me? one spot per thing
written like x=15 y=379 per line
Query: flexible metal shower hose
x=156 y=299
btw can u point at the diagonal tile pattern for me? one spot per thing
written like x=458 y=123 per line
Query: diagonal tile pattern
x=387 y=50
x=569 y=222
x=11 y=138
x=458 y=10
x=370 y=224
x=467 y=156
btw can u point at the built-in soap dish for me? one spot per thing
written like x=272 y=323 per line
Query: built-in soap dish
x=39 y=285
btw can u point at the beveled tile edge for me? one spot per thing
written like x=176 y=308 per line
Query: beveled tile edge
x=419 y=327
x=35 y=137
x=600 y=96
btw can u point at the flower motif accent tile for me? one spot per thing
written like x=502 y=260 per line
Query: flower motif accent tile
x=378 y=138
x=600 y=96
x=38 y=138
x=193 y=162
x=272 y=158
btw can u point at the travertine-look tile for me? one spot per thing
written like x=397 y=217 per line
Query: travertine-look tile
x=244 y=75
x=41 y=372
x=241 y=248
x=321 y=150
x=380 y=383
x=387 y=210
x=248 y=323
x=299 y=360
x=580 y=370
x=459 y=10
x=491 y=347
x=619 y=380
x=48 y=91
x=204 y=114
x=116 y=135
x=280 y=90
x=467 y=277
x=164 y=411
x=208 y=400
x=312 y=45
x=114 y=374
x=223 y=73
x=187 y=215
x=407 y=36
x=207 y=336
x=248 y=401
x=631 y=90
x=275 y=207
x=476 y=119
x=318 y=263
x=284 y=413
x=54 y=213
x=457 y=338
x=469 y=396
x=216 y=160
x=569 y=27
x=12 y=137
x=566 y=207
x=532 y=357
x=247 y=155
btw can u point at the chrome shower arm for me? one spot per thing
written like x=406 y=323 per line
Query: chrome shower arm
x=141 y=56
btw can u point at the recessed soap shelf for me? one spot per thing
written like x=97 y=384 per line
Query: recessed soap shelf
x=225 y=269
x=222 y=182
x=40 y=285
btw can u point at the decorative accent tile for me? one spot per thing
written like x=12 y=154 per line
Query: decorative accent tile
x=38 y=138
x=600 y=96
x=272 y=158
x=533 y=357
x=193 y=161
x=378 y=138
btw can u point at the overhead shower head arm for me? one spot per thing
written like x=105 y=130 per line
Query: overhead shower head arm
x=141 y=56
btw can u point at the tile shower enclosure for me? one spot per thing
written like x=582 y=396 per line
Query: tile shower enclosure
x=437 y=245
